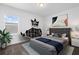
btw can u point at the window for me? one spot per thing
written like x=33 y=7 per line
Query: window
x=11 y=24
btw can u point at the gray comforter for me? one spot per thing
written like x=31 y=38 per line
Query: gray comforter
x=46 y=49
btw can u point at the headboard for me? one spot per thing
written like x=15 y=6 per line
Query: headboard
x=61 y=30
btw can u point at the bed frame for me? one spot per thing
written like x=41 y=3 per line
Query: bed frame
x=61 y=30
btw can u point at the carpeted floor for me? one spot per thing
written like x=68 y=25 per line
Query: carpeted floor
x=76 y=51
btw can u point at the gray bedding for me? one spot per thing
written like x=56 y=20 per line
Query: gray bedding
x=46 y=49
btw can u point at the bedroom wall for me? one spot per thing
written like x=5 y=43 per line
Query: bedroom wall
x=45 y=22
x=24 y=21
x=73 y=18
x=24 y=18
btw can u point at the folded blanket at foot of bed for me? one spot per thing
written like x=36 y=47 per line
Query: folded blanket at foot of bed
x=57 y=45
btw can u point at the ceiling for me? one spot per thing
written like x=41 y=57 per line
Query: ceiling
x=47 y=9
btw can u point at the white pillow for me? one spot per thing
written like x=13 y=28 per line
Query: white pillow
x=75 y=34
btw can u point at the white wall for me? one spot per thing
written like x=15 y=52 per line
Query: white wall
x=24 y=18
x=2 y=22
x=73 y=17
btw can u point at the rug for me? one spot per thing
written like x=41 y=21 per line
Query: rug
x=67 y=51
x=29 y=50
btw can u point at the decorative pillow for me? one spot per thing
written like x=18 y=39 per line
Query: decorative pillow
x=75 y=34
x=59 y=35
x=64 y=35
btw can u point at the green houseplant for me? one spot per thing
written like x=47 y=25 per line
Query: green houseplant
x=4 y=38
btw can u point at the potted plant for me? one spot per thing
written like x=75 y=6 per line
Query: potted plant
x=4 y=38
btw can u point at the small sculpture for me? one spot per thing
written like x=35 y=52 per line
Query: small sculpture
x=34 y=22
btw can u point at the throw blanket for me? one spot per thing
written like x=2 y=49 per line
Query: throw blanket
x=57 y=45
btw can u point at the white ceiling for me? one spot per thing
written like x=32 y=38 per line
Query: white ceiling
x=48 y=9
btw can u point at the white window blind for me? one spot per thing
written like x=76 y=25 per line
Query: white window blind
x=11 y=24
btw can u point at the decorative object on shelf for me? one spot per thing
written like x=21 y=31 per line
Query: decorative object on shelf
x=23 y=34
x=35 y=22
x=33 y=32
x=5 y=38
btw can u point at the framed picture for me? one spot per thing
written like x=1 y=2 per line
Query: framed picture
x=54 y=19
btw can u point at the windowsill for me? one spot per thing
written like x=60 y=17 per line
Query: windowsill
x=13 y=33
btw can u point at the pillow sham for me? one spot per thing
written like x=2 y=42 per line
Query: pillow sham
x=75 y=34
x=59 y=35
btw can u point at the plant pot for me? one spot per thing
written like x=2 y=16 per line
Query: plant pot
x=0 y=45
x=4 y=46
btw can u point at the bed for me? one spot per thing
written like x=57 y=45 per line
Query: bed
x=44 y=48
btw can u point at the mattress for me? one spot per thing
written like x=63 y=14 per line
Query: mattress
x=46 y=49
